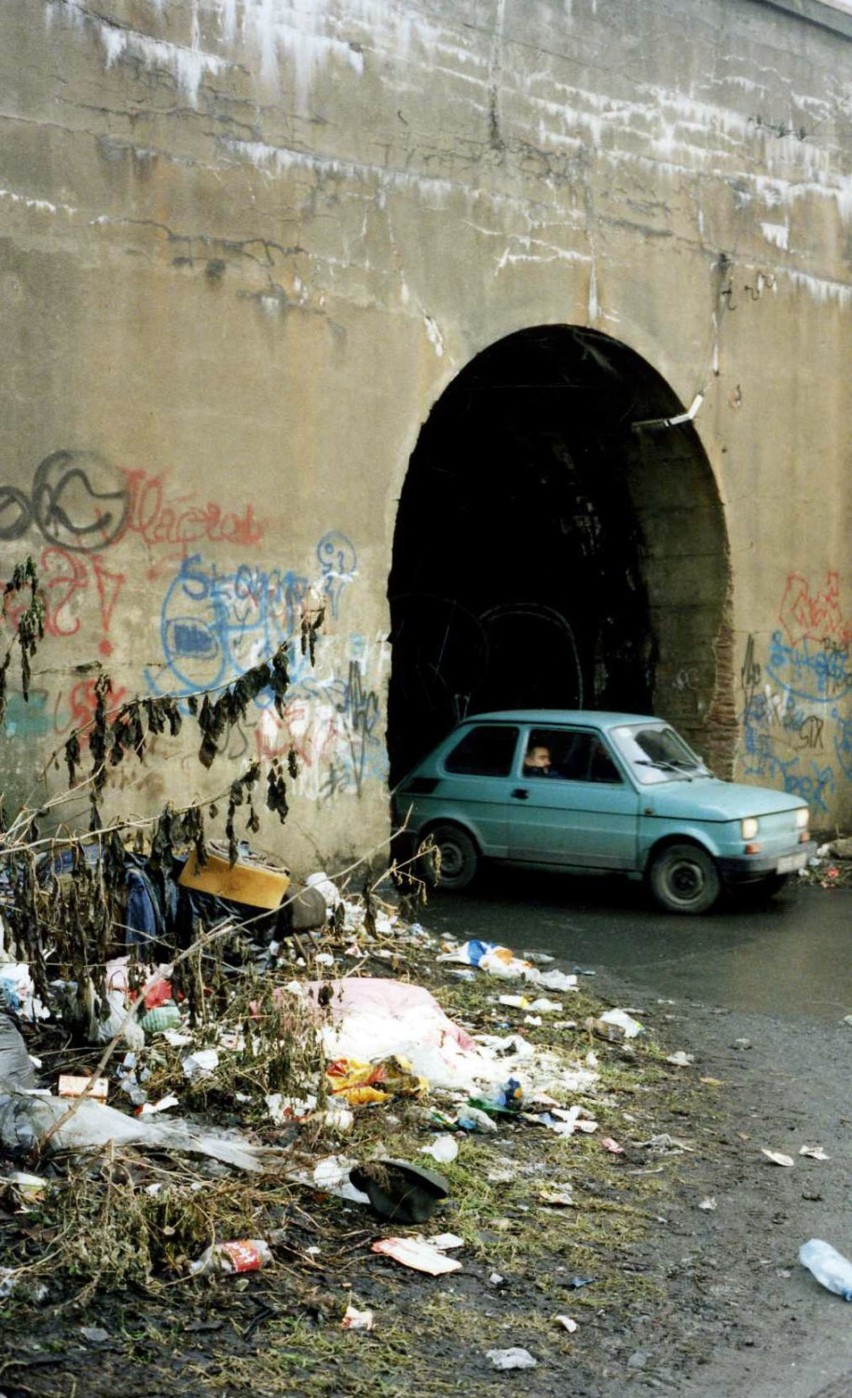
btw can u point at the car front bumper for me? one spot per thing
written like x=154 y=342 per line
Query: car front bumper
x=743 y=868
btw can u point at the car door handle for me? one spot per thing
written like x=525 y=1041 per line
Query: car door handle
x=520 y=793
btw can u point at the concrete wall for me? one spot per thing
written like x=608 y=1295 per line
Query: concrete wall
x=244 y=247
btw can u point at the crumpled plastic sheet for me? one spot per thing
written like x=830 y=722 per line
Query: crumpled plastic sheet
x=371 y=1018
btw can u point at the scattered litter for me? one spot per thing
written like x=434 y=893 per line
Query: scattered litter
x=443 y=1149
x=567 y=1323
x=624 y=1021
x=30 y=1120
x=708 y=1204
x=200 y=1064
x=556 y=1197
x=814 y=1152
x=741 y=1044
x=15 y=1063
x=159 y=1019
x=244 y=1255
x=71 y=1086
x=612 y=1146
x=362 y=1083
x=417 y=1254
x=776 y=1158
x=577 y=1282
x=373 y=1018
x=666 y=1143
x=681 y=1059
x=445 y=1241
x=556 y=980
x=502 y=962
x=357 y=1320
x=399 y=1190
x=324 y=885
x=831 y=1269
x=514 y=1358
x=331 y=1176
x=30 y=1187
x=496 y=1279
x=95 y=1334
x=150 y=1108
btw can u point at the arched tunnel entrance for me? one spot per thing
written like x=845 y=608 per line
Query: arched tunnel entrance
x=559 y=543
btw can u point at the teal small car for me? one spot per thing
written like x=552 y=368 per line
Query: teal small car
x=578 y=790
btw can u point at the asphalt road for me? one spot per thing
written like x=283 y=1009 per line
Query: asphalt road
x=778 y=978
x=789 y=957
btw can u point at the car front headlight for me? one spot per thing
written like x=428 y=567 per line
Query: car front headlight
x=748 y=827
x=802 y=816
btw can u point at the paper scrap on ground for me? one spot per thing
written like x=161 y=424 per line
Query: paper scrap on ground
x=624 y=1021
x=419 y=1255
x=776 y=1157
x=357 y=1320
x=514 y=1358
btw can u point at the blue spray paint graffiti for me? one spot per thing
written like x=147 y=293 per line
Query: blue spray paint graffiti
x=785 y=713
x=815 y=671
x=215 y=625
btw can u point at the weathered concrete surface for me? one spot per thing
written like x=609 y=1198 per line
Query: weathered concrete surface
x=245 y=246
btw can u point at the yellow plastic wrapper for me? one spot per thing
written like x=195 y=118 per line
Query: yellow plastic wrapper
x=361 y=1083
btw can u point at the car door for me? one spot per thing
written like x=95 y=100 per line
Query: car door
x=476 y=777
x=581 y=811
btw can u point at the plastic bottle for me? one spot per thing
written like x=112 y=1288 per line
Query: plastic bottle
x=831 y=1269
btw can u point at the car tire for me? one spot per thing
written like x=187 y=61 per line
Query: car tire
x=458 y=859
x=684 y=879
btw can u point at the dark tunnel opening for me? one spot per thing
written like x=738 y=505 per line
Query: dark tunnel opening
x=518 y=576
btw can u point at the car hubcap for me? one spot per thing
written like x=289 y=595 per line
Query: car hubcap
x=685 y=881
x=450 y=860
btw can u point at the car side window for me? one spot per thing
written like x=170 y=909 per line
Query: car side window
x=570 y=754
x=484 y=752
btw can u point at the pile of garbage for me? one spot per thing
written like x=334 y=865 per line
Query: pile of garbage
x=289 y=1057
x=831 y=865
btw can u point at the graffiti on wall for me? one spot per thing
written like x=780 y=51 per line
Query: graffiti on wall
x=795 y=733
x=217 y=618
x=216 y=623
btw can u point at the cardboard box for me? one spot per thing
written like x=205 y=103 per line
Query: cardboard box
x=253 y=885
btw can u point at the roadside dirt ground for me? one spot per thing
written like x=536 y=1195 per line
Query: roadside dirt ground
x=743 y=1313
x=690 y=1247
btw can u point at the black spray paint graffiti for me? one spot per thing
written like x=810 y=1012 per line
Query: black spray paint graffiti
x=78 y=501
x=361 y=711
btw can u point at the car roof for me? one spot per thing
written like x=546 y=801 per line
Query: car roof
x=598 y=718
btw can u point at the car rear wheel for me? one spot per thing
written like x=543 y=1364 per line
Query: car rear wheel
x=453 y=861
x=684 y=879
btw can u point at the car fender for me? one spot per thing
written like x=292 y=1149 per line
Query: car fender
x=471 y=827
x=652 y=838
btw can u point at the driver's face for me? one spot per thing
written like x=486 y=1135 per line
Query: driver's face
x=538 y=757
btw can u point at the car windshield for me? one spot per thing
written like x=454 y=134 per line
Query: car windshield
x=656 y=753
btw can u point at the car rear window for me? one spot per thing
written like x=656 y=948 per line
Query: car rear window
x=484 y=752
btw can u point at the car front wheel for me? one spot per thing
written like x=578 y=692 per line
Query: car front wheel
x=453 y=860
x=684 y=879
